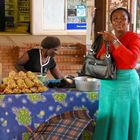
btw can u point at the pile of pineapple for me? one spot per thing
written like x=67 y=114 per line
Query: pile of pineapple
x=21 y=82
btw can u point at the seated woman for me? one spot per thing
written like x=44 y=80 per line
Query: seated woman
x=41 y=60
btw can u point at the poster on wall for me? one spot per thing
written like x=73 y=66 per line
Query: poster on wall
x=71 y=12
x=76 y=19
x=81 y=11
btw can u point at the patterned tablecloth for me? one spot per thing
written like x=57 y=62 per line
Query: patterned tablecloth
x=18 y=111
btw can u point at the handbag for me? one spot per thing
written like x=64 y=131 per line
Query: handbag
x=96 y=68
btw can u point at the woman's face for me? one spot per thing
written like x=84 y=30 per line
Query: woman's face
x=51 y=52
x=120 y=21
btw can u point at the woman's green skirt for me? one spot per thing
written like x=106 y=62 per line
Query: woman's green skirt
x=118 y=117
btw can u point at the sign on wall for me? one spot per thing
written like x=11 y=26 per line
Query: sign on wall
x=81 y=11
x=76 y=15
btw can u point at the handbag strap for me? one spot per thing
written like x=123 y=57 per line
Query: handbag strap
x=96 y=45
x=107 y=46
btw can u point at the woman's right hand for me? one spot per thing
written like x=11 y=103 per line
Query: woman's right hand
x=108 y=36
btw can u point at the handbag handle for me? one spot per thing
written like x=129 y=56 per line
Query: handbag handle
x=107 y=46
x=97 y=44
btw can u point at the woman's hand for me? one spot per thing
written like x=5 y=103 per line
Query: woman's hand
x=108 y=36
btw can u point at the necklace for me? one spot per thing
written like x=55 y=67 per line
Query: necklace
x=43 y=61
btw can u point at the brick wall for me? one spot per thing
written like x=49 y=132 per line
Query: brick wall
x=8 y=58
x=69 y=60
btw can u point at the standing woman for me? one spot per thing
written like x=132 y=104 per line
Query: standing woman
x=119 y=103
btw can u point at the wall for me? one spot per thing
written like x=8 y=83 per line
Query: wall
x=53 y=19
x=8 y=55
x=90 y=25
x=36 y=16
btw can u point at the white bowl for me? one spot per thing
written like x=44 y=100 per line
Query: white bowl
x=85 y=83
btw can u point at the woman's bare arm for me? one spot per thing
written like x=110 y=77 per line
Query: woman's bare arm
x=21 y=62
x=56 y=73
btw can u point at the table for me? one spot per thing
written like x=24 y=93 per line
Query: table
x=18 y=111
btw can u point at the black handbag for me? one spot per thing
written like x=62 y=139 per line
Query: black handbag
x=96 y=68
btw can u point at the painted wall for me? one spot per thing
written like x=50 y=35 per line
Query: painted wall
x=53 y=15
x=47 y=15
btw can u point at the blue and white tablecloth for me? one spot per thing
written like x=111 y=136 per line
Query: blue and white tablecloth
x=19 y=111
